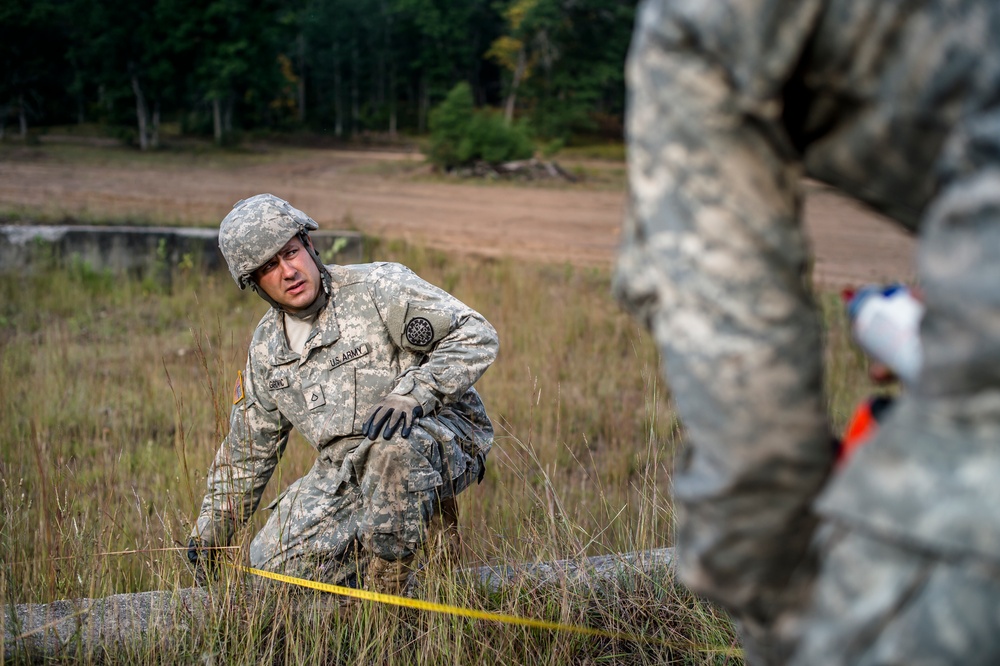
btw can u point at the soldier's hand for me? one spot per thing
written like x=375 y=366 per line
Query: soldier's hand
x=394 y=412
x=202 y=559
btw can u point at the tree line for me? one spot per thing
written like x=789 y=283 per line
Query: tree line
x=336 y=67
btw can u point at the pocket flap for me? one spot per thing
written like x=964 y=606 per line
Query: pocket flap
x=423 y=478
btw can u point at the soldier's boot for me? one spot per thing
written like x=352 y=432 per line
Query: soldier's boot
x=389 y=576
x=444 y=542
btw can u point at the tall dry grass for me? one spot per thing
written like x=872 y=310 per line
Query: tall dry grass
x=114 y=394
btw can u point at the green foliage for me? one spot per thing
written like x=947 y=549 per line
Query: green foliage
x=449 y=123
x=491 y=139
x=574 y=54
x=93 y=281
x=329 y=255
x=460 y=134
x=333 y=66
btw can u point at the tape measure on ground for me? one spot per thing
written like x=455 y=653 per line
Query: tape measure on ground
x=447 y=609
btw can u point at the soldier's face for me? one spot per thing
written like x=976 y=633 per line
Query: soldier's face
x=290 y=277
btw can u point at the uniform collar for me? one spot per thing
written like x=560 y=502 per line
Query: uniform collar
x=326 y=331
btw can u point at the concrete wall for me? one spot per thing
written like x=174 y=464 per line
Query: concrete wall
x=140 y=250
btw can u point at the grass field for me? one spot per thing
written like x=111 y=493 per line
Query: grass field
x=114 y=394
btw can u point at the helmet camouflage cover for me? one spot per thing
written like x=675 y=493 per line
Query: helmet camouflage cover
x=255 y=229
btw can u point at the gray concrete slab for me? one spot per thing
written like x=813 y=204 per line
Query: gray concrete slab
x=140 y=250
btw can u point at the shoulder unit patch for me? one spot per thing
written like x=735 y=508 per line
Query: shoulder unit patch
x=419 y=332
x=238 y=389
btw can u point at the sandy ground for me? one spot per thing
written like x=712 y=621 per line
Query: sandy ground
x=351 y=188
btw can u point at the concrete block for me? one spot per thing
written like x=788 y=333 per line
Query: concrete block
x=140 y=250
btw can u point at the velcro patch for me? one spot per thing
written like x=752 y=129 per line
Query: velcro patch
x=348 y=356
x=277 y=383
x=314 y=397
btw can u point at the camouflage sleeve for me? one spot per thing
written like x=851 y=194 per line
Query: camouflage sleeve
x=715 y=262
x=244 y=463
x=456 y=342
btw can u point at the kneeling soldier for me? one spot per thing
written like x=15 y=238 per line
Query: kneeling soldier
x=374 y=367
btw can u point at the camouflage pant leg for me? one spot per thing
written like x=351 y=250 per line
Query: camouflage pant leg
x=312 y=530
x=878 y=603
x=402 y=480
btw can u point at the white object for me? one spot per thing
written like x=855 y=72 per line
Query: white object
x=885 y=322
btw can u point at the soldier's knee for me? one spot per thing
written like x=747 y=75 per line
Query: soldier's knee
x=389 y=546
x=395 y=527
x=389 y=458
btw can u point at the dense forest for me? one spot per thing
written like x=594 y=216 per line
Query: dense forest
x=341 y=68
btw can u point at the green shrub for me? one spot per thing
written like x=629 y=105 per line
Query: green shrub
x=461 y=135
x=449 y=123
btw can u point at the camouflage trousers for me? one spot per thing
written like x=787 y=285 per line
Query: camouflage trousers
x=376 y=501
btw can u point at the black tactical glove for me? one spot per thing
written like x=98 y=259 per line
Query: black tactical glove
x=394 y=411
x=202 y=559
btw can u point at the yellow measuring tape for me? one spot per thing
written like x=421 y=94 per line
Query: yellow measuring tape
x=442 y=608
x=476 y=614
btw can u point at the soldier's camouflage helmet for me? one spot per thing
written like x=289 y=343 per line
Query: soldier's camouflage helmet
x=255 y=229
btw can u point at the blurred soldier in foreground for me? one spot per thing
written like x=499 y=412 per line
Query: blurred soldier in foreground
x=374 y=367
x=731 y=102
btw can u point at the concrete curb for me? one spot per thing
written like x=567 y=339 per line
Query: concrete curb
x=140 y=250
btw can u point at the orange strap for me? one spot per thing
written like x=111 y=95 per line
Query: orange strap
x=862 y=427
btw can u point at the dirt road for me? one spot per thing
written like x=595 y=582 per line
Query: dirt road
x=379 y=193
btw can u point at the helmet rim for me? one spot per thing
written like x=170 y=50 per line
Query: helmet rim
x=255 y=230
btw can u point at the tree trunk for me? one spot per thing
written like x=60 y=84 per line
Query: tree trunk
x=22 y=116
x=155 y=137
x=355 y=112
x=392 y=102
x=3 y=121
x=390 y=93
x=377 y=93
x=338 y=101
x=301 y=84
x=217 y=120
x=140 y=112
x=508 y=109
x=422 y=104
x=227 y=117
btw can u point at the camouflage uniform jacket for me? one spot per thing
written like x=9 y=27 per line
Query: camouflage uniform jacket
x=897 y=103
x=384 y=330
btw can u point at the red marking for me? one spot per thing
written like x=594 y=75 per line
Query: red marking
x=860 y=430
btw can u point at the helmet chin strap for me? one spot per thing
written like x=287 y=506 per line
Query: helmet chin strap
x=321 y=298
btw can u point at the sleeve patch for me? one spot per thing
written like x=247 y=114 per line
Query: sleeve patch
x=238 y=394
x=419 y=332
x=423 y=327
